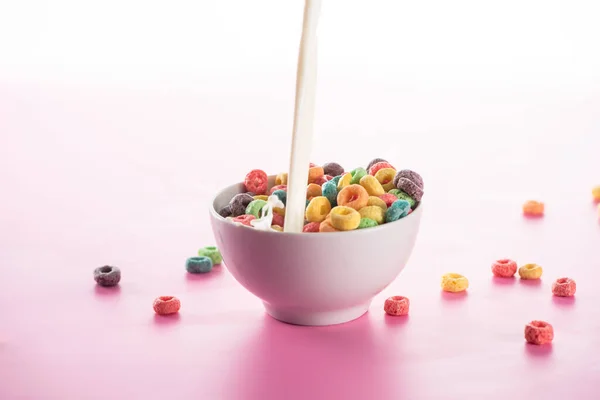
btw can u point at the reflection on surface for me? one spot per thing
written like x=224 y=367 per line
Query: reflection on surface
x=352 y=360
x=530 y=282
x=563 y=302
x=496 y=280
x=449 y=296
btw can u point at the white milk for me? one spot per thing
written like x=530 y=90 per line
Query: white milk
x=306 y=82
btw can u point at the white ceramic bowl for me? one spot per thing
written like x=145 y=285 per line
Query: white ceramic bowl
x=314 y=278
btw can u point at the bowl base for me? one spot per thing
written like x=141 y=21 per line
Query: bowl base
x=317 y=318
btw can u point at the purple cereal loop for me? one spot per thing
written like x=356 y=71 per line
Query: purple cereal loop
x=410 y=175
x=333 y=169
x=374 y=161
x=225 y=211
x=410 y=188
x=239 y=203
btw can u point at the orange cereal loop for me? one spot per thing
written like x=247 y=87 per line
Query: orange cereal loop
x=385 y=177
x=344 y=181
x=315 y=173
x=353 y=196
x=313 y=190
x=533 y=208
x=281 y=179
x=326 y=226
x=376 y=201
x=280 y=211
x=372 y=185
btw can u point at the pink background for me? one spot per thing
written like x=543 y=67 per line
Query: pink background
x=112 y=143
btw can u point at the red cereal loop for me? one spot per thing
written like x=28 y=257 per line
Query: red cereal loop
x=564 y=287
x=256 y=181
x=310 y=165
x=165 y=305
x=388 y=198
x=244 y=219
x=278 y=220
x=539 y=332
x=278 y=187
x=396 y=305
x=311 y=227
x=322 y=179
x=504 y=268
x=380 y=165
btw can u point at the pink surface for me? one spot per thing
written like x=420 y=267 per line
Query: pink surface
x=92 y=177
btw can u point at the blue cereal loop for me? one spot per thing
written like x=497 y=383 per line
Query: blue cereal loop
x=329 y=190
x=336 y=179
x=282 y=195
x=198 y=265
x=398 y=209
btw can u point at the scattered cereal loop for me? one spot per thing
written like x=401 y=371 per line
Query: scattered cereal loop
x=596 y=193
x=107 y=276
x=454 y=283
x=504 y=268
x=396 y=305
x=533 y=208
x=165 y=305
x=564 y=287
x=530 y=271
x=539 y=332
x=199 y=265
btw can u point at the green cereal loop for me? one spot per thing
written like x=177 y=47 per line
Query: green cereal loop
x=366 y=223
x=403 y=196
x=255 y=206
x=357 y=174
x=395 y=192
x=211 y=252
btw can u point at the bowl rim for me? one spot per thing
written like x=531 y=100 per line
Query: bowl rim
x=214 y=214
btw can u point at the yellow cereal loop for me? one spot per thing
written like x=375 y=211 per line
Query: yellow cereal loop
x=344 y=181
x=261 y=197
x=280 y=211
x=530 y=271
x=596 y=193
x=454 y=283
x=385 y=176
x=375 y=213
x=317 y=209
x=344 y=218
x=371 y=185
x=376 y=201
x=281 y=179
x=277 y=228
